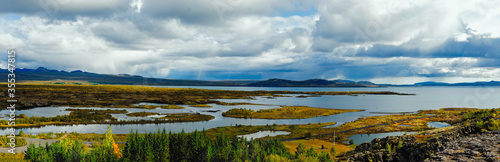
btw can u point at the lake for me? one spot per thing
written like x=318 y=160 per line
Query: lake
x=425 y=98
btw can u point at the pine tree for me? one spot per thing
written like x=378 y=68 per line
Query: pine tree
x=301 y=149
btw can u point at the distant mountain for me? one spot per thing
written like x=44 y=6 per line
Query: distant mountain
x=490 y=83
x=311 y=83
x=44 y=74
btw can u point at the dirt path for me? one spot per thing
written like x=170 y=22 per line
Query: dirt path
x=35 y=141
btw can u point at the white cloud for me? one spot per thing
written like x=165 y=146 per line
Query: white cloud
x=137 y=5
x=426 y=39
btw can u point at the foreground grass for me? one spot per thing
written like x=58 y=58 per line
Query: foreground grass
x=317 y=144
x=285 y=112
x=9 y=157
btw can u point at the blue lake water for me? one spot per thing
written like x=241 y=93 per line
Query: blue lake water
x=425 y=98
x=261 y=134
x=361 y=138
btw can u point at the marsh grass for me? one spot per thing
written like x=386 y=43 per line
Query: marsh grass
x=285 y=112
x=142 y=114
x=125 y=96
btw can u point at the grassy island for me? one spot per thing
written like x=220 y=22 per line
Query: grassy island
x=160 y=106
x=142 y=114
x=109 y=111
x=285 y=112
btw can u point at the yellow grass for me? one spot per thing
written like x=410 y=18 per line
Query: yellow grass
x=141 y=114
x=316 y=144
x=160 y=106
x=285 y=112
x=12 y=157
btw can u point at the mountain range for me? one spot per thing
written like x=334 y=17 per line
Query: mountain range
x=44 y=74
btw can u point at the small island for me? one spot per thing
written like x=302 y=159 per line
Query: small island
x=285 y=112
x=158 y=106
x=142 y=114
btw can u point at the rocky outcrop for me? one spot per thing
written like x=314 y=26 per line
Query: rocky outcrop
x=475 y=147
x=459 y=144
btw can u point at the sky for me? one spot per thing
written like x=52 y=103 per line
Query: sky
x=397 y=42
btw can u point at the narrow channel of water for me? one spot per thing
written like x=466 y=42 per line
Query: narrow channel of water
x=261 y=134
x=361 y=138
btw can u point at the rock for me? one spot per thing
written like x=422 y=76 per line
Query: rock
x=461 y=144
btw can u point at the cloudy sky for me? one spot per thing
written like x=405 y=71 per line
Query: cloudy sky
x=380 y=41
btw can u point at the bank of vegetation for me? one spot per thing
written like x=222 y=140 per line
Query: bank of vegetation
x=124 y=96
x=285 y=112
x=108 y=111
x=98 y=117
x=142 y=114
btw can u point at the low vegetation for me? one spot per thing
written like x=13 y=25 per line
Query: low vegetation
x=235 y=103
x=109 y=111
x=142 y=114
x=72 y=118
x=124 y=96
x=158 y=106
x=187 y=117
x=285 y=112
x=98 y=117
x=10 y=157
x=4 y=140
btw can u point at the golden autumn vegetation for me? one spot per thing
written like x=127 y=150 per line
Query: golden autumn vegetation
x=125 y=96
x=285 y=112
x=142 y=114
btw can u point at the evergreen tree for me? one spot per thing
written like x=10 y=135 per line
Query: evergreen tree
x=301 y=149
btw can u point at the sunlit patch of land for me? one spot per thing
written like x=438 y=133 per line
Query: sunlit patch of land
x=10 y=157
x=4 y=140
x=319 y=146
x=158 y=106
x=285 y=112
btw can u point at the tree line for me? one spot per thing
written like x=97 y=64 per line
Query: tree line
x=163 y=146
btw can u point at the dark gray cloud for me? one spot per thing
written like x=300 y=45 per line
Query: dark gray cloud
x=476 y=47
x=65 y=9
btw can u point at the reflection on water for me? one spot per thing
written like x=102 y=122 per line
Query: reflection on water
x=261 y=134
x=437 y=124
x=361 y=138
